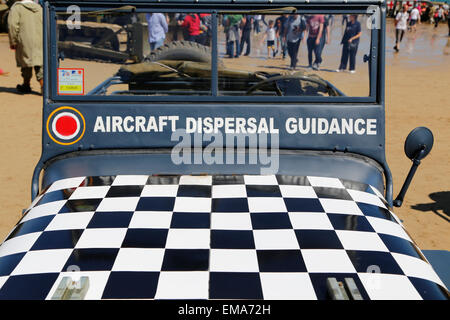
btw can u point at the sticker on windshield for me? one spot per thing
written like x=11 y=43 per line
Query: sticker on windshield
x=70 y=81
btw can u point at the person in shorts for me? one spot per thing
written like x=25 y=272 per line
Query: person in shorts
x=270 y=36
x=414 y=18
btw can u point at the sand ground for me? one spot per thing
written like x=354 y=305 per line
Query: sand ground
x=417 y=88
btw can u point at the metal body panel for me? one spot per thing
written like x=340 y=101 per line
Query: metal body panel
x=339 y=108
x=346 y=108
x=213 y=237
x=440 y=260
x=370 y=144
x=326 y=164
x=221 y=2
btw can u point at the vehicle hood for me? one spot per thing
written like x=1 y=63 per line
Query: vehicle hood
x=213 y=237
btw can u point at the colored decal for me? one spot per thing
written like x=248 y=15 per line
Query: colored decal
x=66 y=125
x=70 y=81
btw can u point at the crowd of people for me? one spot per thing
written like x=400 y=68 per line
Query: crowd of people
x=281 y=34
x=194 y=27
x=408 y=17
x=284 y=35
x=434 y=13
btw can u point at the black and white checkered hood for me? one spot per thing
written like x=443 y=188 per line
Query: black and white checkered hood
x=213 y=237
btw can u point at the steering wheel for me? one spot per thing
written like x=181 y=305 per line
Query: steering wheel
x=260 y=84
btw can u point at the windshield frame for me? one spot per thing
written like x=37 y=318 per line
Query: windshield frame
x=376 y=77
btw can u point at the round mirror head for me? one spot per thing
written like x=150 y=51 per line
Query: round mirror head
x=420 y=138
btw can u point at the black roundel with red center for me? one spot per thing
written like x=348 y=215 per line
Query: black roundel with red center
x=66 y=125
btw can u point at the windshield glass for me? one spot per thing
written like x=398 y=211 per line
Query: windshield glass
x=295 y=54
x=117 y=53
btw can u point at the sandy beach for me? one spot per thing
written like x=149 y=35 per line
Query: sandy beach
x=417 y=87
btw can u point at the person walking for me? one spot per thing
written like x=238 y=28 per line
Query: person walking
x=315 y=27
x=246 y=26
x=191 y=23
x=232 y=22
x=329 y=19
x=205 y=29
x=270 y=35
x=157 y=29
x=431 y=12
x=344 y=21
x=438 y=16
x=294 y=34
x=401 y=22
x=25 y=37
x=448 y=22
x=280 y=26
x=177 y=29
x=257 y=23
x=414 y=18
x=350 y=42
x=325 y=39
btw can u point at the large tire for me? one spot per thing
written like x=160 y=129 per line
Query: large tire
x=181 y=50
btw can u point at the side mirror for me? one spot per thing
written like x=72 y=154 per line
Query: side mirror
x=418 y=145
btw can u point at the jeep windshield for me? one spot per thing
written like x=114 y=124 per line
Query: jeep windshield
x=129 y=52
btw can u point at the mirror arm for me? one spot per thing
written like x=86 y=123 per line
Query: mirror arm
x=416 y=162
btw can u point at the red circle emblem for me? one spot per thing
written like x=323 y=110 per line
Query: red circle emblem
x=66 y=126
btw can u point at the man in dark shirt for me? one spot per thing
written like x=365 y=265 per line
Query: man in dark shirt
x=350 y=42
x=294 y=33
x=246 y=25
x=205 y=28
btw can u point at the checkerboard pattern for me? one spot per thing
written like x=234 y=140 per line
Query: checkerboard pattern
x=213 y=237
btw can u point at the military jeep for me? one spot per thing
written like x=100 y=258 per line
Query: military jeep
x=202 y=171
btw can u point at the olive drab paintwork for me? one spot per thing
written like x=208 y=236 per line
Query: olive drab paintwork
x=175 y=68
